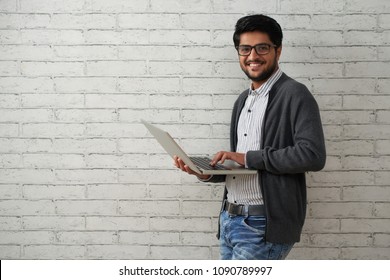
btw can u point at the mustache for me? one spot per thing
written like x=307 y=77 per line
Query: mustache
x=254 y=61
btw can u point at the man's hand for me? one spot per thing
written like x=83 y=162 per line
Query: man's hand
x=179 y=163
x=221 y=156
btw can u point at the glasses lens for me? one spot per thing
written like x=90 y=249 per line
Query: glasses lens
x=244 y=50
x=262 y=48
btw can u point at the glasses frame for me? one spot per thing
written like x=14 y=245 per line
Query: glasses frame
x=254 y=47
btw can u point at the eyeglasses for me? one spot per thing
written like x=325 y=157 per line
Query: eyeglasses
x=261 y=49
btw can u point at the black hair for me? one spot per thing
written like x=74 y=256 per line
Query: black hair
x=259 y=23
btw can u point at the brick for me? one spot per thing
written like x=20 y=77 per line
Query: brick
x=346 y=53
x=150 y=115
x=368 y=7
x=53 y=191
x=382 y=177
x=116 y=191
x=94 y=52
x=9 y=160
x=344 y=85
x=343 y=22
x=381 y=240
x=9 y=68
x=10 y=191
x=313 y=69
x=180 y=252
x=149 y=52
x=324 y=194
x=335 y=178
x=26 y=207
x=51 y=37
x=186 y=101
x=117 y=161
x=347 y=117
x=26 y=237
x=52 y=100
x=52 y=68
x=350 y=147
x=10 y=252
x=86 y=175
x=366 y=193
x=314 y=254
x=181 y=68
x=366 y=163
x=26 y=85
x=86 y=207
x=149 y=85
x=9 y=130
x=132 y=101
x=365 y=225
x=82 y=21
x=84 y=145
x=341 y=240
x=365 y=253
x=9 y=101
x=86 y=237
x=209 y=53
x=200 y=238
x=8 y=6
x=180 y=224
x=173 y=6
x=313 y=38
x=134 y=145
x=214 y=85
x=50 y=6
x=88 y=84
x=365 y=38
x=382 y=146
x=340 y=209
x=207 y=21
x=26 y=115
x=115 y=68
x=307 y=6
x=10 y=37
x=29 y=176
x=178 y=37
x=85 y=115
x=149 y=176
x=382 y=210
x=25 y=52
x=201 y=208
x=245 y=6
x=117 y=223
x=383 y=116
x=10 y=223
x=121 y=6
x=52 y=129
x=366 y=131
x=19 y=145
x=114 y=130
x=53 y=161
x=117 y=252
x=49 y=252
x=110 y=37
x=149 y=207
x=149 y=21
x=146 y=238
x=367 y=69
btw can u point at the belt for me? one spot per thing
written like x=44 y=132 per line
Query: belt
x=243 y=210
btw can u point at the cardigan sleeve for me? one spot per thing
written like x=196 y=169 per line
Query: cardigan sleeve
x=307 y=153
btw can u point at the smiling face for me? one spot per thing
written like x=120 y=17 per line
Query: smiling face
x=259 y=68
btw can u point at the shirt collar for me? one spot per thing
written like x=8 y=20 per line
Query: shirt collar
x=266 y=87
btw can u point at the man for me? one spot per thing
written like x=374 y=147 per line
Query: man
x=275 y=129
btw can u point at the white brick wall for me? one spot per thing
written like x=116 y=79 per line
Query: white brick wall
x=80 y=178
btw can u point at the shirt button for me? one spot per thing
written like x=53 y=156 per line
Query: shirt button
x=245 y=134
x=249 y=111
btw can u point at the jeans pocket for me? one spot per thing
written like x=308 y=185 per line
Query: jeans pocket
x=255 y=223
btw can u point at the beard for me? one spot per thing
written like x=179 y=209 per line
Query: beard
x=263 y=76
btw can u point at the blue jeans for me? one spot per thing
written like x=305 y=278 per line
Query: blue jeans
x=242 y=238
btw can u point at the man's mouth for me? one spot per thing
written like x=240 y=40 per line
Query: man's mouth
x=254 y=64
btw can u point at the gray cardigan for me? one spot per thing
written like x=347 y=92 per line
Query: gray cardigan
x=292 y=144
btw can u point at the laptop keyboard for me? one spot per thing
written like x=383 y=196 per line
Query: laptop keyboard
x=204 y=163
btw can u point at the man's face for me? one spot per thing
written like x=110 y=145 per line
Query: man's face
x=259 y=68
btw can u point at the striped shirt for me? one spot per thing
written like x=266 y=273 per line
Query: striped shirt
x=245 y=189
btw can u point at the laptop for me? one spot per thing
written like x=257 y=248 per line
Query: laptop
x=200 y=165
